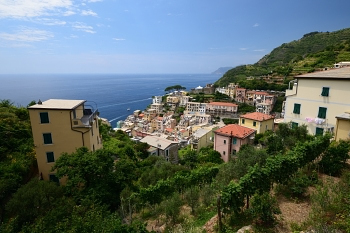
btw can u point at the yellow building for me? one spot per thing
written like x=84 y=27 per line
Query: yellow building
x=342 y=130
x=261 y=122
x=317 y=98
x=62 y=126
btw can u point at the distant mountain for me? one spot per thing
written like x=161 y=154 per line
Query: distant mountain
x=222 y=70
x=314 y=51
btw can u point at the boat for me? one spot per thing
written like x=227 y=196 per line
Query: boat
x=128 y=109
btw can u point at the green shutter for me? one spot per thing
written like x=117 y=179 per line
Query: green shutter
x=242 y=121
x=54 y=178
x=47 y=138
x=294 y=125
x=319 y=131
x=322 y=112
x=325 y=91
x=50 y=157
x=296 y=109
x=234 y=140
x=44 y=117
x=254 y=123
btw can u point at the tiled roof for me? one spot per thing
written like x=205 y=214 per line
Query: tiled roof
x=223 y=104
x=157 y=142
x=337 y=73
x=257 y=116
x=235 y=130
x=58 y=104
x=261 y=93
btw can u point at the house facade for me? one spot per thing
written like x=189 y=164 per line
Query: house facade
x=60 y=126
x=221 y=108
x=229 y=139
x=258 y=121
x=316 y=99
x=162 y=147
x=342 y=130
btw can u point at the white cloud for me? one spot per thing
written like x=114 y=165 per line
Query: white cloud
x=50 y=22
x=118 y=39
x=68 y=13
x=256 y=25
x=28 y=35
x=243 y=49
x=259 y=50
x=88 y=13
x=31 y=8
x=83 y=27
x=95 y=1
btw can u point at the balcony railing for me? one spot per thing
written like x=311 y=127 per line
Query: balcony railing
x=87 y=120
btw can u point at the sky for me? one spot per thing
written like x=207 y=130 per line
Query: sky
x=154 y=36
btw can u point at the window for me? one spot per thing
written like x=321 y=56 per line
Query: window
x=294 y=125
x=254 y=123
x=47 y=138
x=53 y=178
x=44 y=118
x=50 y=157
x=242 y=121
x=225 y=142
x=325 y=91
x=319 y=131
x=296 y=109
x=234 y=140
x=224 y=152
x=322 y=112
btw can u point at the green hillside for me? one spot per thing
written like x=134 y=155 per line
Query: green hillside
x=314 y=51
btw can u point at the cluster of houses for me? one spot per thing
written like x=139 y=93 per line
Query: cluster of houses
x=263 y=101
x=318 y=100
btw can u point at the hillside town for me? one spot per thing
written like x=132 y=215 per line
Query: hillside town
x=199 y=125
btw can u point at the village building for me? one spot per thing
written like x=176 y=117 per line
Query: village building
x=162 y=147
x=221 y=109
x=317 y=99
x=229 y=139
x=258 y=121
x=60 y=126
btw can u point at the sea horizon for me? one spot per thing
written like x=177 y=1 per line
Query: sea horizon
x=112 y=94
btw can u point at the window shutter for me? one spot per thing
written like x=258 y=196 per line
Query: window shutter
x=322 y=112
x=325 y=91
x=296 y=109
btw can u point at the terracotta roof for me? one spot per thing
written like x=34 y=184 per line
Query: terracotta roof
x=223 y=104
x=257 y=116
x=261 y=93
x=160 y=118
x=235 y=130
x=239 y=88
x=169 y=130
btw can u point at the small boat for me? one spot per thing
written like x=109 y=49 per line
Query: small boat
x=128 y=109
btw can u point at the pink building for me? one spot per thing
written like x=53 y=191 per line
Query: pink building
x=229 y=139
x=240 y=95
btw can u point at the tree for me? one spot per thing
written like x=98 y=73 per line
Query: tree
x=33 y=200
x=191 y=196
x=334 y=158
x=264 y=208
x=171 y=208
x=89 y=174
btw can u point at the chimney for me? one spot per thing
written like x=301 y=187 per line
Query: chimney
x=39 y=102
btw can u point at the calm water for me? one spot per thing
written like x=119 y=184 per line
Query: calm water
x=112 y=94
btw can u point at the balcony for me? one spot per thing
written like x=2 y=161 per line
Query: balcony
x=89 y=116
x=292 y=90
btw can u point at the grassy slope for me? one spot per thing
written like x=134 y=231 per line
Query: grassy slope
x=313 y=51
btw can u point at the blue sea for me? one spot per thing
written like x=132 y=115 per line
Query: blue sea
x=112 y=94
